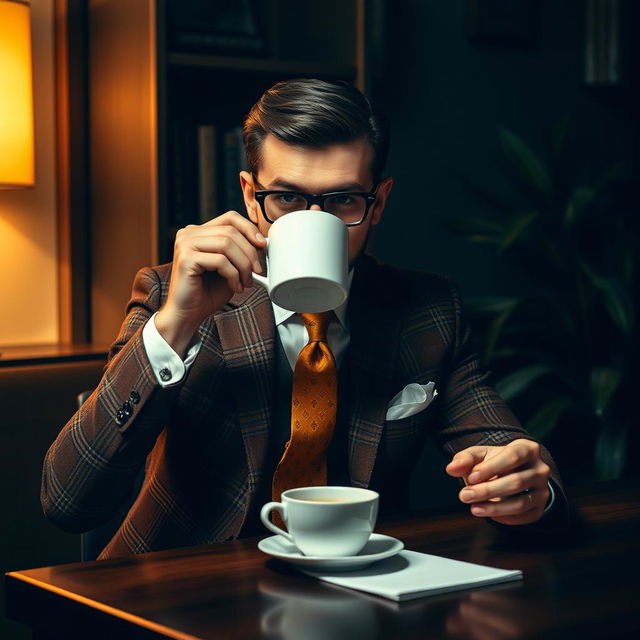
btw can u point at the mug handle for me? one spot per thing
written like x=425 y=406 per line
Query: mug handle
x=261 y=280
x=264 y=516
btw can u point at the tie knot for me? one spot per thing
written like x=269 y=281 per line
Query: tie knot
x=317 y=324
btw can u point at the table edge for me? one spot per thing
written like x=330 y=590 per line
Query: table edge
x=104 y=608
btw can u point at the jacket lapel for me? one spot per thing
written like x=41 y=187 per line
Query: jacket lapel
x=246 y=330
x=373 y=349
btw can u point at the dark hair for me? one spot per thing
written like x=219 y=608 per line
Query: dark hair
x=315 y=113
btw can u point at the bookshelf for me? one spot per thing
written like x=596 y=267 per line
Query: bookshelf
x=261 y=65
x=165 y=115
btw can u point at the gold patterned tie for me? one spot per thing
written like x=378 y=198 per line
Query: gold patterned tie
x=313 y=411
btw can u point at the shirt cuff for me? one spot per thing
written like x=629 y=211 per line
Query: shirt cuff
x=552 y=497
x=167 y=365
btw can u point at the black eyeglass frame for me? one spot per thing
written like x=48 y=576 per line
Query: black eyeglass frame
x=319 y=199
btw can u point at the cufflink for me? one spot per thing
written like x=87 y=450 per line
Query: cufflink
x=165 y=374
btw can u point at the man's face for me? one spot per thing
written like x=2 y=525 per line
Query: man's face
x=338 y=167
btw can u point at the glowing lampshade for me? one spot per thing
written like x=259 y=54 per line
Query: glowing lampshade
x=16 y=96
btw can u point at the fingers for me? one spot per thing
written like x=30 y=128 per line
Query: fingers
x=242 y=224
x=508 y=483
x=501 y=460
x=523 y=507
x=226 y=251
x=464 y=461
x=227 y=245
x=230 y=270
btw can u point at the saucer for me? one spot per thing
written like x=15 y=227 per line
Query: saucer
x=378 y=547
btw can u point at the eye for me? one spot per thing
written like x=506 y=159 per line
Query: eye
x=344 y=200
x=288 y=198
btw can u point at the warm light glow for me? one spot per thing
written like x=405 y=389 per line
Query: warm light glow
x=16 y=96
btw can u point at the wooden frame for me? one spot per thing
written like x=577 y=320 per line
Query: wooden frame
x=72 y=161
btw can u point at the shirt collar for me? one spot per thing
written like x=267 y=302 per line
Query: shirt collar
x=282 y=315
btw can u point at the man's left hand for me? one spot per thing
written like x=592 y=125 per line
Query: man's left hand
x=508 y=484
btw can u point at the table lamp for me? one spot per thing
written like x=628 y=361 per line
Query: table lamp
x=16 y=96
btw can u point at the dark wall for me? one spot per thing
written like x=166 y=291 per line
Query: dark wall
x=446 y=95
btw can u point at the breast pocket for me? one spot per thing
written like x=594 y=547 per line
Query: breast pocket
x=406 y=428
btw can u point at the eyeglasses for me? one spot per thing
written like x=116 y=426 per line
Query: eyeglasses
x=350 y=206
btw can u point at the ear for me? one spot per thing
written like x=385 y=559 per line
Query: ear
x=384 y=188
x=246 y=183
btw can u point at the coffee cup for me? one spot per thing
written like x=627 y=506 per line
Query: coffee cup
x=307 y=262
x=325 y=521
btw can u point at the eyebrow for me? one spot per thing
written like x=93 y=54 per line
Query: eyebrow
x=281 y=183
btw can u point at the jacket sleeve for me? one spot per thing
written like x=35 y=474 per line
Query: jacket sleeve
x=91 y=467
x=472 y=412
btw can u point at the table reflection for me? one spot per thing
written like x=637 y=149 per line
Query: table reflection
x=308 y=611
x=492 y=615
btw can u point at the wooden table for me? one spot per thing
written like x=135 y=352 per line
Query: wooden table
x=586 y=587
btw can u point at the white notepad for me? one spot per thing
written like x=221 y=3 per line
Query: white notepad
x=414 y=575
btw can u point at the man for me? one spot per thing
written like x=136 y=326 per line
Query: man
x=198 y=385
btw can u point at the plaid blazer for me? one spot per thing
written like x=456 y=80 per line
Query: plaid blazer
x=203 y=441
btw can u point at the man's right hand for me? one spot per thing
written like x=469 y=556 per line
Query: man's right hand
x=211 y=262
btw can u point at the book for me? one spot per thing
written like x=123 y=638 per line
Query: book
x=215 y=27
x=602 y=43
x=412 y=575
x=207 y=172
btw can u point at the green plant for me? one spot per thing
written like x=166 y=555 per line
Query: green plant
x=565 y=348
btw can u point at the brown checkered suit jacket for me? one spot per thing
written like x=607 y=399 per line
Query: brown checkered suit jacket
x=204 y=440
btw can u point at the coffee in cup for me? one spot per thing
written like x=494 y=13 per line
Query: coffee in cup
x=325 y=521
x=307 y=262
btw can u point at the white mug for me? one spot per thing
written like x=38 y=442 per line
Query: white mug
x=307 y=262
x=325 y=521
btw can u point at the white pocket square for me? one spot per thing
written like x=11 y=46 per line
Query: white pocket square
x=411 y=400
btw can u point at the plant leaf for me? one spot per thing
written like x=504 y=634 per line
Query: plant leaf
x=478 y=230
x=545 y=420
x=491 y=305
x=515 y=383
x=526 y=162
x=579 y=201
x=610 y=451
x=495 y=329
x=503 y=353
x=619 y=305
x=517 y=227
x=604 y=383
x=617 y=300
x=483 y=197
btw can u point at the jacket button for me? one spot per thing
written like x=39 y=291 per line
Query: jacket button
x=165 y=374
x=127 y=408
x=134 y=396
x=121 y=417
